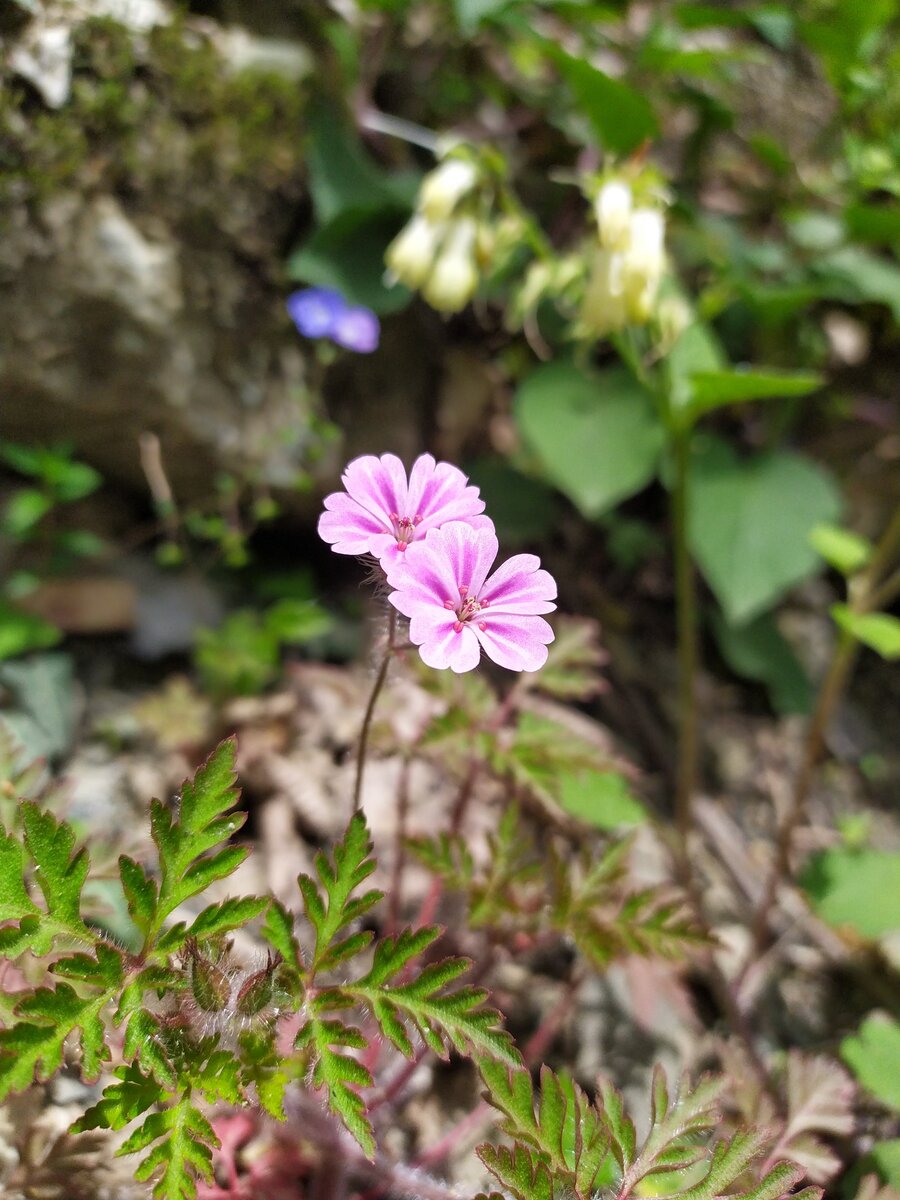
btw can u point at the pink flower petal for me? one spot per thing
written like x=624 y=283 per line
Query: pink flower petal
x=458 y=650
x=347 y=526
x=424 y=575
x=515 y=642
x=520 y=586
x=438 y=493
x=377 y=484
x=469 y=552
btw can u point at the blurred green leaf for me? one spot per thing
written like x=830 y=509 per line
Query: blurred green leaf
x=343 y=177
x=878 y=223
x=886 y=1156
x=240 y=658
x=40 y=711
x=347 y=254
x=717 y=389
x=21 y=631
x=298 y=621
x=758 y=651
x=621 y=116
x=873 y=1055
x=879 y=631
x=847 y=552
x=24 y=510
x=596 y=436
x=600 y=798
x=471 y=13
x=859 y=276
x=71 y=480
x=774 y=22
x=750 y=522
x=859 y=889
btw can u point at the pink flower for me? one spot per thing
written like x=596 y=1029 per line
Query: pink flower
x=381 y=513
x=455 y=611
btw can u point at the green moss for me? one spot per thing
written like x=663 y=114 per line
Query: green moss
x=164 y=121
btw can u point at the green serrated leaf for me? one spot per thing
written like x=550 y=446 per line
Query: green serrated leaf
x=226 y=915
x=15 y=902
x=334 y=908
x=278 y=931
x=185 y=1142
x=34 y=1047
x=60 y=873
x=340 y=1075
x=142 y=1034
x=122 y=1102
x=200 y=825
x=219 y=1079
x=262 y=1068
x=458 y=1018
x=140 y=892
x=572 y=670
x=520 y=1170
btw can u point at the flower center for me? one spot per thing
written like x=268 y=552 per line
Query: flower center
x=466 y=608
x=404 y=528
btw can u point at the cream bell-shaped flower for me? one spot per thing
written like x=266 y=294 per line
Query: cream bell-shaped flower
x=644 y=262
x=604 y=309
x=612 y=208
x=454 y=276
x=411 y=254
x=444 y=187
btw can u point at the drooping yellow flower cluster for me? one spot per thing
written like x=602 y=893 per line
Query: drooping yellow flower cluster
x=437 y=251
x=627 y=266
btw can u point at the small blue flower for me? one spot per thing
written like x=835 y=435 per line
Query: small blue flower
x=357 y=329
x=322 y=312
x=315 y=310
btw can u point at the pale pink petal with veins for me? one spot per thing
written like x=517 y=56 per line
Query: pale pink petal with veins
x=442 y=586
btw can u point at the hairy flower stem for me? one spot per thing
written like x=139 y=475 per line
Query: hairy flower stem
x=370 y=709
x=867 y=592
x=686 y=619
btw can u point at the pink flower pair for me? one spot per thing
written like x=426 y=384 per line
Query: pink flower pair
x=436 y=547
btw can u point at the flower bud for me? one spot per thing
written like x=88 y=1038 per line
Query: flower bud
x=444 y=187
x=603 y=309
x=256 y=991
x=454 y=276
x=612 y=208
x=411 y=253
x=209 y=984
x=673 y=316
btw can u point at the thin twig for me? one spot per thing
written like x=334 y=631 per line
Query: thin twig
x=370 y=710
x=867 y=591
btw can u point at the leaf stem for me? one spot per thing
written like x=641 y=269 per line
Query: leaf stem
x=370 y=709
x=688 y=654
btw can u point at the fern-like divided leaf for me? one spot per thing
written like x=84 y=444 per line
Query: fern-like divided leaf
x=45 y=1018
x=48 y=854
x=426 y=1002
x=585 y=899
x=442 y=1017
x=340 y=1074
x=183 y=1152
x=331 y=906
x=562 y=1143
x=204 y=821
x=557 y=1130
